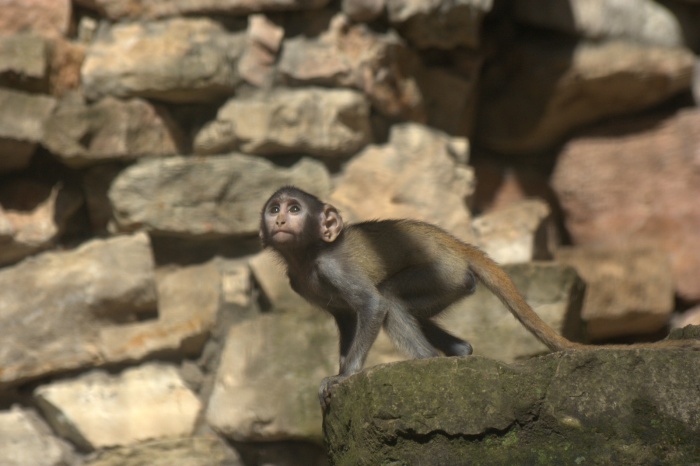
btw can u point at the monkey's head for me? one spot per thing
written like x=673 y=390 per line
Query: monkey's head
x=294 y=219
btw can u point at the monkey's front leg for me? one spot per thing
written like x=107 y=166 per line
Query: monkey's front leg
x=358 y=330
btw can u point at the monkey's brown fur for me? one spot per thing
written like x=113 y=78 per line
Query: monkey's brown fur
x=392 y=273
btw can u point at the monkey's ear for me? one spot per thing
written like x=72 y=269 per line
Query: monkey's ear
x=331 y=223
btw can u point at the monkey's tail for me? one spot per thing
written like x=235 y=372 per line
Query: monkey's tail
x=500 y=284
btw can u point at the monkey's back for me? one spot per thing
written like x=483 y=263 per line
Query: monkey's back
x=399 y=244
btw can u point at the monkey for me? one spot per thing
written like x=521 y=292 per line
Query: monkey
x=391 y=274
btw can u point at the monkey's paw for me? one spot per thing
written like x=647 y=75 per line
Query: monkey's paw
x=324 y=392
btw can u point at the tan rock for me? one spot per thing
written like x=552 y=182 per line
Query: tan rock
x=316 y=121
x=54 y=303
x=264 y=39
x=50 y=18
x=82 y=134
x=629 y=291
x=355 y=56
x=520 y=232
x=439 y=23
x=178 y=60
x=188 y=303
x=32 y=216
x=207 y=450
x=24 y=62
x=270 y=370
x=98 y=410
x=419 y=174
x=22 y=120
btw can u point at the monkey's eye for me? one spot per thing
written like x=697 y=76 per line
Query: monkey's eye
x=275 y=209
x=295 y=209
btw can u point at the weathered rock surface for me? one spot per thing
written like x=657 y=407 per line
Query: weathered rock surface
x=150 y=9
x=188 y=302
x=520 y=232
x=420 y=174
x=32 y=217
x=206 y=196
x=439 y=23
x=355 y=56
x=177 y=60
x=641 y=21
x=655 y=205
x=82 y=134
x=544 y=89
x=263 y=43
x=50 y=18
x=24 y=61
x=316 y=121
x=51 y=302
x=101 y=410
x=26 y=441
x=255 y=399
x=22 y=120
x=629 y=291
x=191 y=451
x=621 y=407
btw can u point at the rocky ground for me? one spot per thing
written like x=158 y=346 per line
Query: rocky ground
x=139 y=139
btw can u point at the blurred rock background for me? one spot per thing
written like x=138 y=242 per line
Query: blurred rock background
x=139 y=322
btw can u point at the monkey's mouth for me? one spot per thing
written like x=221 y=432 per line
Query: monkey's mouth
x=284 y=233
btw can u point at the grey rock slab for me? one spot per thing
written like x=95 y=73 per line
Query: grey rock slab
x=623 y=407
x=206 y=196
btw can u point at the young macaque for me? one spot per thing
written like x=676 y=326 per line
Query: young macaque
x=395 y=274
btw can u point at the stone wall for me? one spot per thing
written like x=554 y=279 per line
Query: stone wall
x=140 y=138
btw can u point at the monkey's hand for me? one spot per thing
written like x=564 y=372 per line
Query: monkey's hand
x=324 y=392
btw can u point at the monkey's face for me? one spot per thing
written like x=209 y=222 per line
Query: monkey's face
x=284 y=221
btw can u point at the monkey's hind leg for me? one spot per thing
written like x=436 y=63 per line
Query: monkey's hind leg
x=404 y=330
x=445 y=341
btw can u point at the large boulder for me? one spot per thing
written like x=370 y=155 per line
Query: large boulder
x=636 y=181
x=624 y=407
